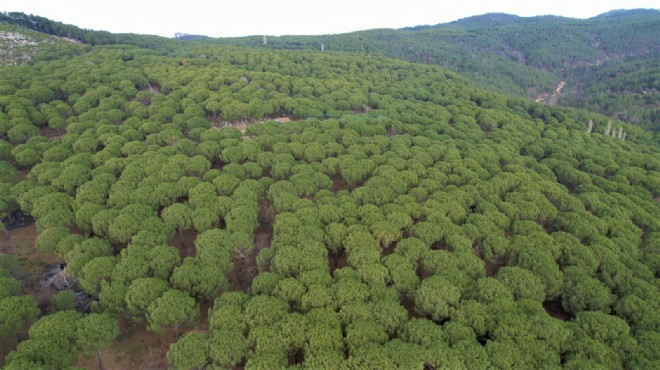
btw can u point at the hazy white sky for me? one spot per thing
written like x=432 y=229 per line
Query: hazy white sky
x=285 y=17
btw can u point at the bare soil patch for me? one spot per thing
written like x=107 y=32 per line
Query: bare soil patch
x=136 y=348
x=492 y=268
x=337 y=261
x=555 y=309
x=6 y=346
x=76 y=230
x=217 y=164
x=50 y=133
x=240 y=277
x=386 y=251
x=244 y=124
x=21 y=243
x=263 y=235
x=441 y=245
x=339 y=184
x=297 y=358
x=551 y=99
x=187 y=247
x=154 y=89
x=422 y=273
x=409 y=305
x=22 y=174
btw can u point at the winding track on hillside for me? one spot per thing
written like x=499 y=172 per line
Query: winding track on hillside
x=551 y=99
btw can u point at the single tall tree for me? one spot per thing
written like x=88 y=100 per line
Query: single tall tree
x=171 y=309
x=178 y=215
x=96 y=331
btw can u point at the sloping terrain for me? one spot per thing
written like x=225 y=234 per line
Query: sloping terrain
x=627 y=90
x=400 y=219
x=20 y=45
x=522 y=56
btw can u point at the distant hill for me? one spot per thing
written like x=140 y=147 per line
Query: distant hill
x=91 y=37
x=524 y=56
x=20 y=45
x=188 y=37
x=626 y=13
x=488 y=20
x=628 y=89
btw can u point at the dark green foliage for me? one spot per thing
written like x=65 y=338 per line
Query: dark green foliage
x=203 y=280
x=523 y=283
x=190 y=352
x=437 y=297
x=584 y=293
x=9 y=287
x=227 y=347
x=63 y=300
x=403 y=219
x=95 y=331
x=95 y=271
x=171 y=309
x=60 y=324
x=15 y=312
x=142 y=293
x=48 y=353
x=624 y=89
x=617 y=75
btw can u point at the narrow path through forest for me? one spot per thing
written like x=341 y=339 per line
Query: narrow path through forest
x=551 y=99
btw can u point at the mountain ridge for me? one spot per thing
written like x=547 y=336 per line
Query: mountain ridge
x=522 y=56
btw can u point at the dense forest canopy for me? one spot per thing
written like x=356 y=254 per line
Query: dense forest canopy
x=398 y=218
x=525 y=56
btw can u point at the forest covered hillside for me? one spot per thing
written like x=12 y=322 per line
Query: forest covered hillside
x=550 y=59
x=19 y=45
x=526 y=56
x=198 y=205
